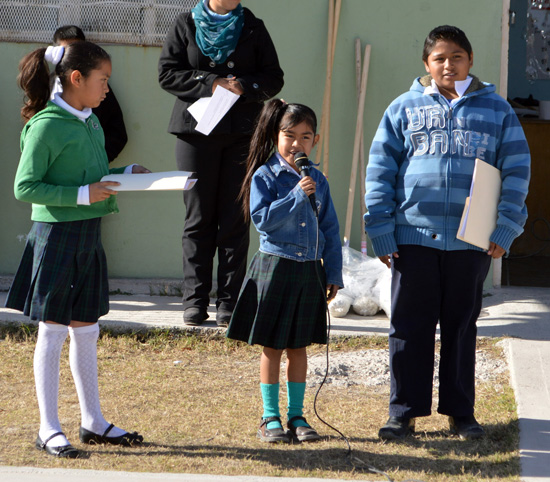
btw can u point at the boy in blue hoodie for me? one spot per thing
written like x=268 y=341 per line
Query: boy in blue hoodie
x=418 y=177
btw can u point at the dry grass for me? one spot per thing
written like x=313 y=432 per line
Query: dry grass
x=201 y=414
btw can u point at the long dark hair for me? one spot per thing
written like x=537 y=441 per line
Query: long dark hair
x=276 y=116
x=34 y=74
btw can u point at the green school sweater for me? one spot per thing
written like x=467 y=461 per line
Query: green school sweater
x=60 y=153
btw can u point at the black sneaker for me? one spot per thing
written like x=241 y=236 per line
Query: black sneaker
x=467 y=427
x=397 y=428
x=195 y=316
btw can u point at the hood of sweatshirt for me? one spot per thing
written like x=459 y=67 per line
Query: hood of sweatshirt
x=476 y=87
x=51 y=111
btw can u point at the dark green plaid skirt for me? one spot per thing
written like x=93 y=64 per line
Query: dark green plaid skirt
x=281 y=304
x=63 y=273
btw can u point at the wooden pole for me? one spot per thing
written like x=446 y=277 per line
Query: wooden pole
x=361 y=146
x=357 y=142
x=326 y=133
x=333 y=22
x=328 y=75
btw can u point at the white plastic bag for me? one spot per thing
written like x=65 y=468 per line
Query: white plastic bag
x=367 y=284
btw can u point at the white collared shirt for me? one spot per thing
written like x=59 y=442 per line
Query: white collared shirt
x=285 y=164
x=81 y=114
x=461 y=86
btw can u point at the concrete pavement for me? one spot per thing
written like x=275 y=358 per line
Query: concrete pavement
x=521 y=315
x=33 y=474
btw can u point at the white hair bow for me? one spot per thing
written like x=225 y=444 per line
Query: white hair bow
x=54 y=54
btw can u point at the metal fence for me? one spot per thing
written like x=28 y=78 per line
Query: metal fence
x=134 y=22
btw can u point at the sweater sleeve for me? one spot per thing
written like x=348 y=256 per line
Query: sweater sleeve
x=268 y=212
x=29 y=185
x=332 y=253
x=514 y=161
x=380 y=185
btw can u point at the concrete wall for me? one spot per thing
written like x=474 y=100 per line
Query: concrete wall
x=143 y=241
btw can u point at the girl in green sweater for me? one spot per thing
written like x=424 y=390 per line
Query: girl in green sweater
x=62 y=279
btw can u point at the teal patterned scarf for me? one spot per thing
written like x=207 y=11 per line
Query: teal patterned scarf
x=217 y=37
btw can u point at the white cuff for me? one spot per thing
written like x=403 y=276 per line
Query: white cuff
x=128 y=169
x=83 y=195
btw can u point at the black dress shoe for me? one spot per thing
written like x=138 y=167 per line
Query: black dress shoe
x=223 y=318
x=195 y=316
x=273 y=434
x=467 y=427
x=63 y=451
x=127 y=439
x=302 y=433
x=397 y=428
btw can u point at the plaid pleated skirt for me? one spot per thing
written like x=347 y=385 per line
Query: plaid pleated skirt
x=63 y=273
x=281 y=304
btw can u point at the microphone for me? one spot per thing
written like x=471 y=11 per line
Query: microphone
x=302 y=163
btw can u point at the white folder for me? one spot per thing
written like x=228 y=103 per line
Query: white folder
x=479 y=218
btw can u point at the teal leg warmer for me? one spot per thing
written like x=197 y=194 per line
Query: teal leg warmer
x=295 y=393
x=270 y=397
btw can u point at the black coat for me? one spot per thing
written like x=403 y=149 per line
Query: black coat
x=111 y=119
x=186 y=73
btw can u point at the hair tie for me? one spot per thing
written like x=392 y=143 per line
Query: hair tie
x=54 y=54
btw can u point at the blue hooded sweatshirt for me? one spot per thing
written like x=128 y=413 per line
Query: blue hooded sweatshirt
x=421 y=164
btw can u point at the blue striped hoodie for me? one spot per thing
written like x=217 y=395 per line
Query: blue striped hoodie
x=421 y=163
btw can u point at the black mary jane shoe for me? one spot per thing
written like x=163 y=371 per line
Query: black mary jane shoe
x=127 y=440
x=274 y=434
x=63 y=451
x=303 y=433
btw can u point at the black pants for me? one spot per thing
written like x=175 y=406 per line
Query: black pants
x=213 y=218
x=431 y=286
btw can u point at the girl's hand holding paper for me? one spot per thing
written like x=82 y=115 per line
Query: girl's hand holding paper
x=137 y=169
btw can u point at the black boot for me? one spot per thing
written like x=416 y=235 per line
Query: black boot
x=467 y=427
x=397 y=428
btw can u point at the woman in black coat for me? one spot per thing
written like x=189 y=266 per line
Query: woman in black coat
x=218 y=43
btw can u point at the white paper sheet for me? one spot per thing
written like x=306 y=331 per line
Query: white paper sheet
x=198 y=109
x=154 y=181
x=208 y=111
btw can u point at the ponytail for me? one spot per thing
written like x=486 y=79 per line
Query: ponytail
x=34 y=80
x=34 y=74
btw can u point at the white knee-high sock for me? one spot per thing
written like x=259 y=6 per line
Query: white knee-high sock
x=83 y=360
x=47 y=353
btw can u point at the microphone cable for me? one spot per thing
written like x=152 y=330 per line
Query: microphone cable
x=354 y=461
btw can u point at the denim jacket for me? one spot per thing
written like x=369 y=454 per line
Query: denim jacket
x=286 y=222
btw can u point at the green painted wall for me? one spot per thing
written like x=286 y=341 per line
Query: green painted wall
x=143 y=241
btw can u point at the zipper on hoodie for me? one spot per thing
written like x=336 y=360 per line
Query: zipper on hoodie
x=89 y=128
x=448 y=178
